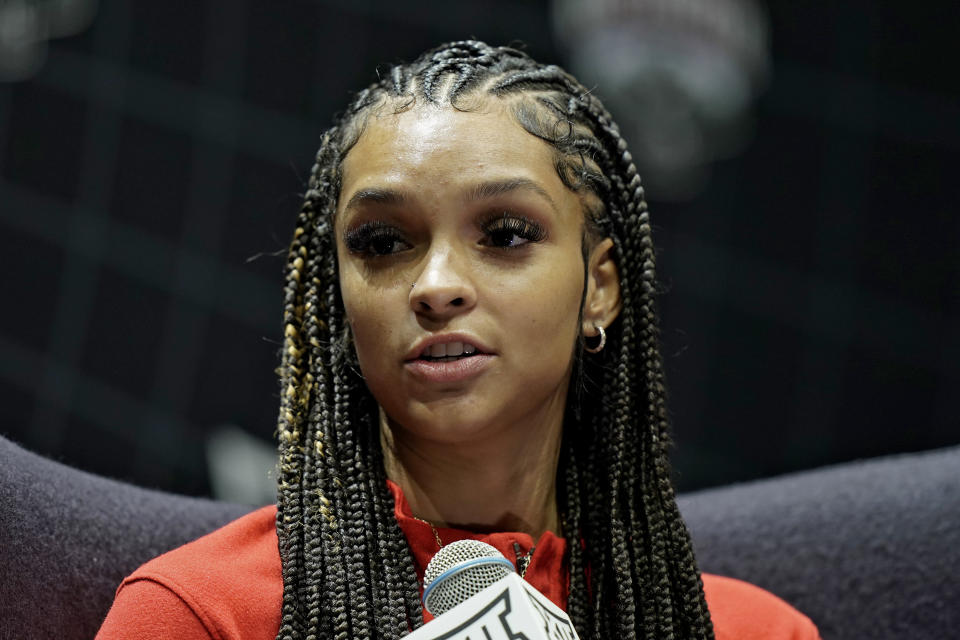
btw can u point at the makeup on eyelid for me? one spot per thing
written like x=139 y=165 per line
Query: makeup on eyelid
x=503 y=231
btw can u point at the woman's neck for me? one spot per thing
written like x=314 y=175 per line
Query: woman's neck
x=507 y=483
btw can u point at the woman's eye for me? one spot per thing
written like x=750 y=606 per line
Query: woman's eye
x=385 y=245
x=375 y=239
x=508 y=232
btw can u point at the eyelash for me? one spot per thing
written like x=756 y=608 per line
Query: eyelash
x=519 y=226
x=363 y=239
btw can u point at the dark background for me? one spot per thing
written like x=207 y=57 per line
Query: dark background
x=812 y=312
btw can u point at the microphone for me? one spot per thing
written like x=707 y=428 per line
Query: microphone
x=474 y=592
x=459 y=571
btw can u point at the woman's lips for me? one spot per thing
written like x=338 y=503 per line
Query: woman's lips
x=457 y=370
x=427 y=345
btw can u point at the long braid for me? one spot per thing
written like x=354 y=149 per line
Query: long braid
x=342 y=551
x=661 y=600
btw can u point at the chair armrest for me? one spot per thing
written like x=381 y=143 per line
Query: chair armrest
x=866 y=549
x=67 y=539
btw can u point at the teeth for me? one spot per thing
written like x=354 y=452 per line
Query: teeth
x=449 y=349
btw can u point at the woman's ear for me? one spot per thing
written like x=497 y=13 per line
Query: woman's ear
x=601 y=305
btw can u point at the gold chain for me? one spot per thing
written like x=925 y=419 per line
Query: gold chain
x=436 y=536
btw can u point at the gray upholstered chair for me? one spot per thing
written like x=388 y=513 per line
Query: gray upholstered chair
x=867 y=550
x=67 y=539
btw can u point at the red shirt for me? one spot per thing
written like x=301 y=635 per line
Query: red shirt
x=227 y=585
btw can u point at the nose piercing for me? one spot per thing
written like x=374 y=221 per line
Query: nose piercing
x=413 y=286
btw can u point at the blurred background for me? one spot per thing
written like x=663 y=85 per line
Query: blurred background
x=800 y=158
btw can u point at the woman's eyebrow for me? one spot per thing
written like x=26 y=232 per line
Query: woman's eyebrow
x=494 y=188
x=480 y=191
x=375 y=195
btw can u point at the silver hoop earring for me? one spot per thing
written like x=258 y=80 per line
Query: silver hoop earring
x=603 y=341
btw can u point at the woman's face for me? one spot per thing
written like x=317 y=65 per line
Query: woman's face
x=461 y=271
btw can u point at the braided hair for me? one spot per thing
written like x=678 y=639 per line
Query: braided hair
x=347 y=570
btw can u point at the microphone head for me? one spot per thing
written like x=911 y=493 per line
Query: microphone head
x=460 y=570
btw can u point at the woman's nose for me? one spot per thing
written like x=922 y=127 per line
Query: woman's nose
x=444 y=287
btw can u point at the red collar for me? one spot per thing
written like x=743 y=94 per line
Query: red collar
x=547 y=570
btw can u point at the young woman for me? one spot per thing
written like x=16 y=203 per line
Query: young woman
x=471 y=352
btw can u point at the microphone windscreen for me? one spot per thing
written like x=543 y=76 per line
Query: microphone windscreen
x=460 y=570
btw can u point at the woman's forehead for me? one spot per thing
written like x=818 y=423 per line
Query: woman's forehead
x=429 y=143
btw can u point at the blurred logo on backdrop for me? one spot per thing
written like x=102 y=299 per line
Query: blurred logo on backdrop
x=27 y=25
x=241 y=466
x=680 y=75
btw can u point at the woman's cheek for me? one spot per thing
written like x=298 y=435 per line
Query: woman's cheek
x=372 y=333
x=358 y=316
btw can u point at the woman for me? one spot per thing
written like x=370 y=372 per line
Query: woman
x=471 y=351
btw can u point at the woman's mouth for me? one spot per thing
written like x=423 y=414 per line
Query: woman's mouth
x=447 y=352
x=448 y=362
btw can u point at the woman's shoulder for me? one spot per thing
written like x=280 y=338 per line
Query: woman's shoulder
x=249 y=543
x=227 y=584
x=743 y=611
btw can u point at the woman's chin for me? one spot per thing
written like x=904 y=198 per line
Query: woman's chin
x=453 y=420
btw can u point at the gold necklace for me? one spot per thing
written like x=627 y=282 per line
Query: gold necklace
x=525 y=561
x=436 y=534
